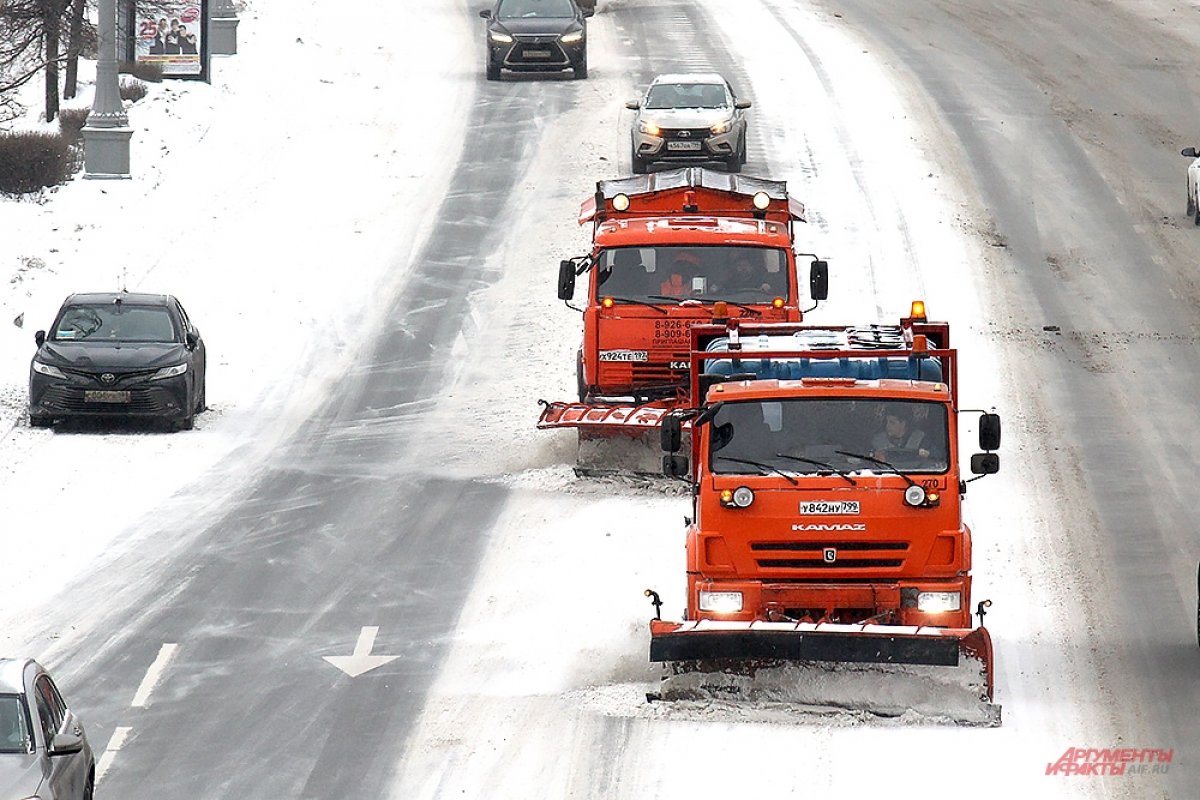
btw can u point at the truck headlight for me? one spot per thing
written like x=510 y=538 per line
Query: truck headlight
x=914 y=495
x=499 y=37
x=721 y=602
x=740 y=497
x=46 y=369
x=938 y=602
x=169 y=372
x=572 y=37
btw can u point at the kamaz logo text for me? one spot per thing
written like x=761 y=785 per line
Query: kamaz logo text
x=837 y=526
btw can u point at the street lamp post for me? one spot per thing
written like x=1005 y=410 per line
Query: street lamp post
x=222 y=29
x=107 y=133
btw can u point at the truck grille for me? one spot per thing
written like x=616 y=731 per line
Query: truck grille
x=850 y=555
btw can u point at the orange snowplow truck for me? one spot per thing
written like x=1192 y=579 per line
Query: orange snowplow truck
x=827 y=526
x=670 y=250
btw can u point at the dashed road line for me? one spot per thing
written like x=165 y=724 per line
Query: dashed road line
x=110 y=752
x=154 y=675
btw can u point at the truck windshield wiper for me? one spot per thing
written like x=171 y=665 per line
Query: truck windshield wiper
x=880 y=462
x=639 y=302
x=821 y=464
x=681 y=300
x=760 y=465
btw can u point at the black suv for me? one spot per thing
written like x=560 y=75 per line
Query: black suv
x=118 y=354
x=536 y=36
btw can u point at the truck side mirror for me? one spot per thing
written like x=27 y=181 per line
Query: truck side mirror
x=818 y=279
x=676 y=466
x=985 y=463
x=39 y=338
x=671 y=434
x=566 y=280
x=989 y=431
x=1190 y=152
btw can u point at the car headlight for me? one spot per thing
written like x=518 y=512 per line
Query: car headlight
x=500 y=37
x=938 y=602
x=46 y=369
x=572 y=37
x=721 y=602
x=169 y=372
x=649 y=127
x=722 y=127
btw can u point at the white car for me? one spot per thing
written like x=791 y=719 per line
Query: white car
x=1193 y=197
x=689 y=118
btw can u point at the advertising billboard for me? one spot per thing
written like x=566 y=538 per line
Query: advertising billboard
x=170 y=33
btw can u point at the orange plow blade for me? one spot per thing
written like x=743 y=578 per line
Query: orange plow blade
x=618 y=440
x=886 y=670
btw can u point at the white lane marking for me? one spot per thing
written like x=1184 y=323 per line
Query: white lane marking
x=362 y=661
x=153 y=675
x=114 y=744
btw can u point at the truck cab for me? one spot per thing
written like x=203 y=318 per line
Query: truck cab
x=671 y=250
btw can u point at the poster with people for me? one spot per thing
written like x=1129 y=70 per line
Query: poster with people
x=169 y=33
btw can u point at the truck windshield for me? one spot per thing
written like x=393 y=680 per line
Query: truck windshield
x=791 y=434
x=740 y=274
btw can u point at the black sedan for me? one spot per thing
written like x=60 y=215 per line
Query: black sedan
x=536 y=36
x=118 y=354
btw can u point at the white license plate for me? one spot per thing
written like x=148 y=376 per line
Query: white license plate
x=683 y=145
x=624 y=355
x=834 y=507
x=105 y=397
x=537 y=53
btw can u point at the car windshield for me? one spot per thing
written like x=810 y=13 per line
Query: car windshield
x=686 y=95
x=821 y=436
x=740 y=274
x=532 y=9
x=115 y=322
x=14 y=724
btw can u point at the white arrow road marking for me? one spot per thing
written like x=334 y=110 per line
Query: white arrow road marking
x=110 y=752
x=153 y=675
x=362 y=660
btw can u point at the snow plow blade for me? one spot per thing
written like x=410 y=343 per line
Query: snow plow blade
x=885 y=670
x=614 y=440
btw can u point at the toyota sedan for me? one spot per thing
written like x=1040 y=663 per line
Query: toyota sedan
x=118 y=354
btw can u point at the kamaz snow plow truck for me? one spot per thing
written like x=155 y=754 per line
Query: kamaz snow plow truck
x=669 y=250
x=827 y=559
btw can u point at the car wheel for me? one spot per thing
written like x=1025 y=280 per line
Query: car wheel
x=1191 y=203
x=581 y=70
x=493 y=70
x=734 y=162
x=639 y=165
x=202 y=400
x=1198 y=216
x=41 y=422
